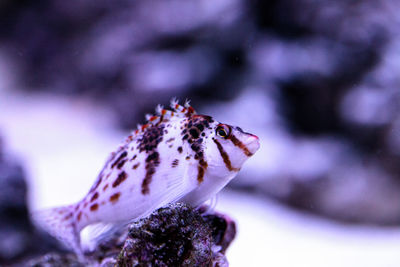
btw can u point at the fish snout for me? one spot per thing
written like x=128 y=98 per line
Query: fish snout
x=252 y=143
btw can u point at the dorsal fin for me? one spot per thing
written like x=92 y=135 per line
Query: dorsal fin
x=163 y=115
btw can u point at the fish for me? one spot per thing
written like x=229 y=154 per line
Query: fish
x=176 y=156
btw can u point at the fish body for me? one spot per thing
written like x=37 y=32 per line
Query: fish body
x=177 y=156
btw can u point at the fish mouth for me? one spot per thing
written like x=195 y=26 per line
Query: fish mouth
x=252 y=143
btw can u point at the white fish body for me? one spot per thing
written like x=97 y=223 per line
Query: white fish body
x=177 y=156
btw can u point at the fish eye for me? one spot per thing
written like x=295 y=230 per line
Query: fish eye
x=223 y=130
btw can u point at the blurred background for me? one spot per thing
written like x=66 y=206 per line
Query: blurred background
x=317 y=81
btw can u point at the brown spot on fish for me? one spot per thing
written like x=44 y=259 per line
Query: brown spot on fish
x=239 y=144
x=225 y=156
x=200 y=174
x=203 y=163
x=190 y=111
x=151 y=138
x=195 y=133
x=69 y=216
x=187 y=157
x=94 y=197
x=175 y=163
x=121 y=164
x=123 y=155
x=121 y=177
x=201 y=169
x=170 y=140
x=105 y=187
x=180 y=149
x=195 y=147
x=134 y=157
x=79 y=216
x=152 y=161
x=135 y=166
x=114 y=198
x=94 y=207
x=200 y=127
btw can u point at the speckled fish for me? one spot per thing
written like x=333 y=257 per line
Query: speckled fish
x=177 y=156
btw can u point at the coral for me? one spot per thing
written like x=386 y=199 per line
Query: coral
x=177 y=236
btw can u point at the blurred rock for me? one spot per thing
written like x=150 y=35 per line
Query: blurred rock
x=19 y=239
x=133 y=55
x=54 y=260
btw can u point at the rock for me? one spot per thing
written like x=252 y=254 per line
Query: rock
x=178 y=236
x=223 y=229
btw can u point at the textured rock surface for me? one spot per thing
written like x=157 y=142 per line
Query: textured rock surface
x=177 y=236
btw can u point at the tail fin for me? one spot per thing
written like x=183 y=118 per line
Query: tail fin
x=60 y=222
